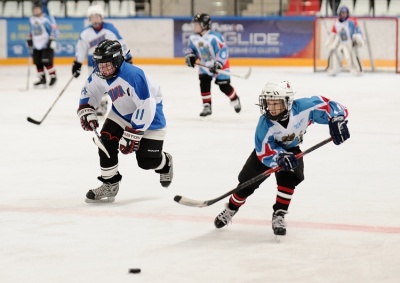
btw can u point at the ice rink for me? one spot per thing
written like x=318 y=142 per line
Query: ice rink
x=343 y=223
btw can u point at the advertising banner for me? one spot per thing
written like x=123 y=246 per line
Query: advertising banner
x=18 y=30
x=259 y=38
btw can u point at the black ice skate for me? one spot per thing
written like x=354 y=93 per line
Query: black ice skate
x=206 y=110
x=166 y=173
x=224 y=217
x=106 y=192
x=236 y=104
x=53 y=79
x=41 y=81
x=279 y=223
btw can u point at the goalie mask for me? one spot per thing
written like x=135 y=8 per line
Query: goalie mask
x=343 y=13
x=276 y=100
x=108 y=58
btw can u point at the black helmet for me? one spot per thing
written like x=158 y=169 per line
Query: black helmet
x=204 y=20
x=108 y=51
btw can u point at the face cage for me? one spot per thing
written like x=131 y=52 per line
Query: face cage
x=264 y=108
x=116 y=62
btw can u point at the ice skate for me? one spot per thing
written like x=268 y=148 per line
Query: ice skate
x=53 y=79
x=106 y=192
x=224 y=217
x=279 y=223
x=102 y=109
x=167 y=173
x=236 y=104
x=41 y=81
x=206 y=110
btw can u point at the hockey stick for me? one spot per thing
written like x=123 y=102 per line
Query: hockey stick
x=199 y=203
x=97 y=141
x=245 y=76
x=51 y=107
x=29 y=71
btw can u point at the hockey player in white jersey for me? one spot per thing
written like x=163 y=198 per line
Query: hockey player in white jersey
x=278 y=136
x=135 y=123
x=41 y=42
x=209 y=48
x=344 y=42
x=97 y=31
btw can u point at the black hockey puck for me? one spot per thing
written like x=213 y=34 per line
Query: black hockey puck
x=134 y=270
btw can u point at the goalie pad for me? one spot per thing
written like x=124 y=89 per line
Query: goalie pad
x=332 y=41
x=357 y=40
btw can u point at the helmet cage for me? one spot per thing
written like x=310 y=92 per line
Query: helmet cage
x=108 y=51
x=276 y=90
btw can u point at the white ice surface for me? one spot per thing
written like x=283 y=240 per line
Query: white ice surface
x=343 y=223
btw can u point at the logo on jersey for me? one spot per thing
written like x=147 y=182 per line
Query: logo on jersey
x=97 y=40
x=116 y=92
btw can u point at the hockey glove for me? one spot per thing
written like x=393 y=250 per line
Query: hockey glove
x=217 y=66
x=88 y=117
x=190 y=60
x=51 y=43
x=130 y=140
x=287 y=161
x=76 y=69
x=338 y=129
x=29 y=42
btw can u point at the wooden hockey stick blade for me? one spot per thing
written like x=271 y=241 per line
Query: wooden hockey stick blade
x=33 y=121
x=201 y=203
x=97 y=141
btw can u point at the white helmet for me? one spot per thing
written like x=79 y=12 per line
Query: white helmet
x=276 y=90
x=95 y=10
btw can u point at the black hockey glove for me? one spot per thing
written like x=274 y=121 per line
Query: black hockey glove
x=29 y=42
x=76 y=69
x=130 y=140
x=217 y=66
x=190 y=60
x=88 y=117
x=338 y=129
x=287 y=161
x=51 y=43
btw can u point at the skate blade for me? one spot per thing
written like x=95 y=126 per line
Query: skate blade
x=103 y=200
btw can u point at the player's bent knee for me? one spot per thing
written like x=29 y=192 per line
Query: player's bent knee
x=148 y=163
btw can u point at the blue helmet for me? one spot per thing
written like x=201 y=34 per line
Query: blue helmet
x=343 y=10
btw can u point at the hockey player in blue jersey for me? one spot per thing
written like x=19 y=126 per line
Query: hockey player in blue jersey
x=41 y=42
x=97 y=31
x=278 y=135
x=209 y=48
x=135 y=123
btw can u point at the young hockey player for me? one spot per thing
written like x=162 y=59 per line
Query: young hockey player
x=97 y=31
x=210 y=49
x=135 y=123
x=344 y=41
x=41 y=42
x=278 y=135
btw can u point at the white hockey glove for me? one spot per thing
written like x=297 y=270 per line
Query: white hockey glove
x=88 y=117
x=332 y=41
x=357 y=40
x=130 y=140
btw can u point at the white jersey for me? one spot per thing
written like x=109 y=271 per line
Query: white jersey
x=135 y=97
x=42 y=28
x=89 y=38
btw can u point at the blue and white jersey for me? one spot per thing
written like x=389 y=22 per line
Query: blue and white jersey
x=135 y=97
x=346 y=29
x=90 y=37
x=209 y=48
x=42 y=28
x=271 y=138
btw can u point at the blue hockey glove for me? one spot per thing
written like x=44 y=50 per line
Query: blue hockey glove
x=287 y=161
x=217 y=66
x=338 y=129
x=190 y=60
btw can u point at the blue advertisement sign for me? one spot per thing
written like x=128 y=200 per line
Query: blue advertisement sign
x=18 y=30
x=259 y=38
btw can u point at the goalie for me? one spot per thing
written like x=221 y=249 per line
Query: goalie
x=343 y=43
